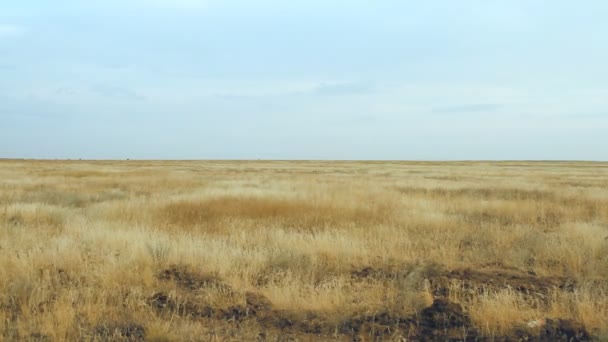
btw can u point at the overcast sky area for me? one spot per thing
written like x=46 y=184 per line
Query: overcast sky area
x=261 y=79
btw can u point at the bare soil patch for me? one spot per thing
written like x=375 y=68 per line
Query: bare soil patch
x=442 y=321
x=493 y=279
x=192 y=280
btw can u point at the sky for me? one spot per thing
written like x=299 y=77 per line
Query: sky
x=261 y=79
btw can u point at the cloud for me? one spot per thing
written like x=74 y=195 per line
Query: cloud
x=585 y=116
x=470 y=108
x=10 y=30
x=333 y=89
x=116 y=92
x=293 y=89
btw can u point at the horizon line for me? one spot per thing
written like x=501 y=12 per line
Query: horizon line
x=310 y=160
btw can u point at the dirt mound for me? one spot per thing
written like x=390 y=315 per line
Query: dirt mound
x=442 y=321
x=564 y=330
x=554 y=330
x=257 y=303
x=388 y=272
x=445 y=321
x=373 y=325
x=190 y=280
x=296 y=322
x=257 y=307
x=305 y=322
x=235 y=313
x=487 y=277
x=130 y=332
x=163 y=303
x=366 y=272
x=521 y=281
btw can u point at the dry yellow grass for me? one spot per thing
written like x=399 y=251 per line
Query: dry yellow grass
x=229 y=250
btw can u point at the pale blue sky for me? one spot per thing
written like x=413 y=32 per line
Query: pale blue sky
x=247 y=79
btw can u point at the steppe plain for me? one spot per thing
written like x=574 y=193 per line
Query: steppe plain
x=303 y=250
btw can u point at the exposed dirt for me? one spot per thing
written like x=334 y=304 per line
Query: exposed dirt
x=391 y=272
x=521 y=281
x=445 y=320
x=163 y=303
x=191 y=280
x=441 y=321
x=487 y=277
x=130 y=332
x=257 y=303
x=555 y=330
x=564 y=330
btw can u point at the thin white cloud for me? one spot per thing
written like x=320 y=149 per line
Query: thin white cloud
x=10 y=30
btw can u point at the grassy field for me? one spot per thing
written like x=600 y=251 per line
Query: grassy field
x=278 y=250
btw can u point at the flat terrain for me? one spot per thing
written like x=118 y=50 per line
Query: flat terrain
x=257 y=250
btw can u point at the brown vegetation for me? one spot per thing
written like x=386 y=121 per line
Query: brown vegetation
x=215 y=251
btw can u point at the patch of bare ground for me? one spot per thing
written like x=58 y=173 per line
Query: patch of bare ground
x=119 y=331
x=442 y=321
x=553 y=330
x=454 y=323
x=490 y=278
x=484 y=277
x=191 y=280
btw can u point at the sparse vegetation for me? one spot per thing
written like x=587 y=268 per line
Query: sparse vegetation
x=228 y=250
